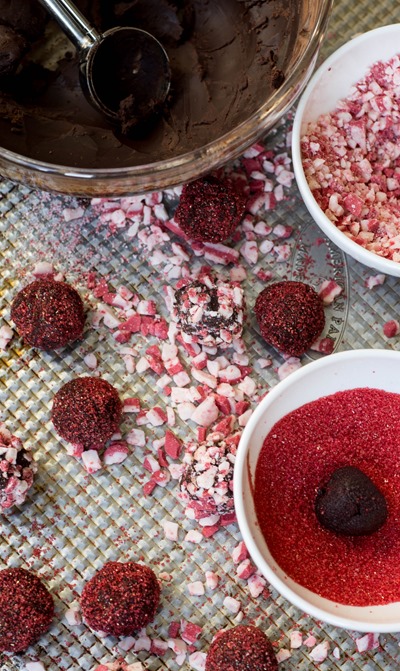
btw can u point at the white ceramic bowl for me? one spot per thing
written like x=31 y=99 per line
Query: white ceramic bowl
x=329 y=84
x=378 y=369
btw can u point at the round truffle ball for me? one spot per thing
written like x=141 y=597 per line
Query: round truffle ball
x=350 y=504
x=242 y=648
x=87 y=411
x=209 y=210
x=120 y=598
x=27 y=609
x=48 y=314
x=210 y=312
x=17 y=470
x=207 y=481
x=290 y=316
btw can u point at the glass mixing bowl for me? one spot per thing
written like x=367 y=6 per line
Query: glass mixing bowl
x=94 y=181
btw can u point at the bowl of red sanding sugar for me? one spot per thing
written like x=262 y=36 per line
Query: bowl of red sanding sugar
x=346 y=149
x=237 y=66
x=338 y=412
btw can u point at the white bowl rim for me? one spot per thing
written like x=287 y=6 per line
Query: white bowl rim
x=240 y=466
x=365 y=256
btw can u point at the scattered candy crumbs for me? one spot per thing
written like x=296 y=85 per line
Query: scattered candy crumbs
x=17 y=470
x=362 y=431
x=350 y=159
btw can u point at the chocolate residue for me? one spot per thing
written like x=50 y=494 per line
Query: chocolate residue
x=226 y=57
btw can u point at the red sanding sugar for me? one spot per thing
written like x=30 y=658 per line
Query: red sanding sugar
x=120 y=598
x=26 y=607
x=361 y=428
x=351 y=159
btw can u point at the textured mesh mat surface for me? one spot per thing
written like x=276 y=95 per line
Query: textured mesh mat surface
x=72 y=522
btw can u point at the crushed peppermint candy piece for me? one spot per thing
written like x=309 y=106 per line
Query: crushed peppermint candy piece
x=367 y=642
x=320 y=652
x=391 y=328
x=17 y=470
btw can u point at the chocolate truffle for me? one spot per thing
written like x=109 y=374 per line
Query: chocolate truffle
x=86 y=412
x=27 y=609
x=350 y=504
x=242 y=648
x=208 y=477
x=290 y=316
x=210 y=312
x=48 y=314
x=120 y=598
x=209 y=210
x=17 y=470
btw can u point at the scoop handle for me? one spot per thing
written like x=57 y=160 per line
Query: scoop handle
x=74 y=24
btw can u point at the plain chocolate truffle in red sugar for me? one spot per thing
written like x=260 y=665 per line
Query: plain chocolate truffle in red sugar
x=209 y=210
x=290 y=316
x=87 y=412
x=242 y=648
x=120 y=598
x=48 y=314
x=27 y=609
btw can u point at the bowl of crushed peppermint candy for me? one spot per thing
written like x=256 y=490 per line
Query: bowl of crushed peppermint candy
x=346 y=149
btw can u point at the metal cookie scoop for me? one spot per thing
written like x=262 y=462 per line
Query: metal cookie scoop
x=124 y=71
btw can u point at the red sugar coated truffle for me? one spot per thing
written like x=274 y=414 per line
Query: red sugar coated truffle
x=290 y=316
x=86 y=412
x=48 y=314
x=17 y=470
x=209 y=210
x=120 y=598
x=210 y=312
x=242 y=648
x=27 y=609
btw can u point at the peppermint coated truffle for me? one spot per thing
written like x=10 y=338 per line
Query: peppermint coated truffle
x=48 y=314
x=210 y=312
x=17 y=470
x=87 y=412
x=350 y=504
x=120 y=598
x=290 y=316
x=208 y=476
x=242 y=648
x=27 y=609
x=209 y=210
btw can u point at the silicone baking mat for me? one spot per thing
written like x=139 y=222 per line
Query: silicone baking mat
x=73 y=522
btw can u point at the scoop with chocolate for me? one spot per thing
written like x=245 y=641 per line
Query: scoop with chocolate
x=350 y=504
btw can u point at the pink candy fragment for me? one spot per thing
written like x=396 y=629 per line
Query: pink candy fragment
x=367 y=642
x=391 y=328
